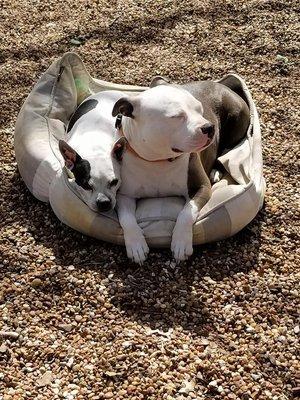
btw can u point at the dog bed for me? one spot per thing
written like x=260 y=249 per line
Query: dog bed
x=235 y=200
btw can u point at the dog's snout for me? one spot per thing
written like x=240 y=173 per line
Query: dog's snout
x=103 y=203
x=208 y=129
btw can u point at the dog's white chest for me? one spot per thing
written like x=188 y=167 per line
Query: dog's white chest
x=154 y=179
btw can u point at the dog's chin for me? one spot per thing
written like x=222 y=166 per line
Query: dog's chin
x=192 y=149
x=96 y=210
x=105 y=211
x=201 y=146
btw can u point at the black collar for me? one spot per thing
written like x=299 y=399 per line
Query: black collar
x=118 y=123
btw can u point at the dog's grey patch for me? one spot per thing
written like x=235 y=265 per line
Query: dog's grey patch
x=84 y=108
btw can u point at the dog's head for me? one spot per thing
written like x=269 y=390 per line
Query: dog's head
x=96 y=172
x=164 y=122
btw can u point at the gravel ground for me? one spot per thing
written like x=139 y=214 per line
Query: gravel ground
x=78 y=321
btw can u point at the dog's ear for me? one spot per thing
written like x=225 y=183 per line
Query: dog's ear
x=119 y=148
x=80 y=168
x=159 y=80
x=70 y=156
x=123 y=106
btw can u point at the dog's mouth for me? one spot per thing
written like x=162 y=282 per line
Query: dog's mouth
x=207 y=143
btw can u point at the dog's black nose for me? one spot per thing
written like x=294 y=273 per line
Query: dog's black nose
x=103 y=205
x=209 y=130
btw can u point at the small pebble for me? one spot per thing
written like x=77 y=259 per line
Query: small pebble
x=9 y=334
x=45 y=379
x=36 y=283
x=66 y=327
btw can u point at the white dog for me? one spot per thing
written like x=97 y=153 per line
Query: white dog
x=91 y=152
x=163 y=125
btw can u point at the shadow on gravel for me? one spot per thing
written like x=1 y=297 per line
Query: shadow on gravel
x=158 y=294
x=163 y=295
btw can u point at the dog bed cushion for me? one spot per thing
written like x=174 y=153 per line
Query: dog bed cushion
x=42 y=121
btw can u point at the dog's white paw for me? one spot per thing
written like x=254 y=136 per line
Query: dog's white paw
x=182 y=244
x=215 y=176
x=136 y=247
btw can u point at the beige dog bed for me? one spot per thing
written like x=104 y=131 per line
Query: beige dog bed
x=42 y=121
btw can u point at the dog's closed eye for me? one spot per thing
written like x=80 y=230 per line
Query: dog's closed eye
x=113 y=183
x=180 y=115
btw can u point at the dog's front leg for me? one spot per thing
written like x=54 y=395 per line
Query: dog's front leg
x=182 y=237
x=136 y=246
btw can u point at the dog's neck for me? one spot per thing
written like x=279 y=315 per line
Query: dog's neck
x=120 y=129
